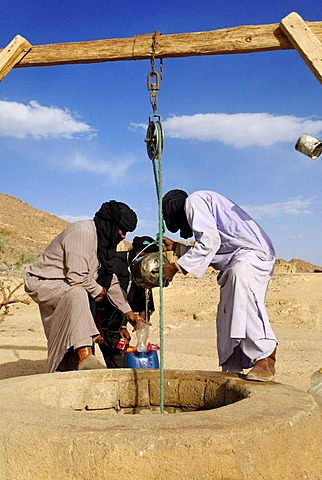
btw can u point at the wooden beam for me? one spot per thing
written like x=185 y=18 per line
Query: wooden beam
x=243 y=39
x=12 y=54
x=304 y=41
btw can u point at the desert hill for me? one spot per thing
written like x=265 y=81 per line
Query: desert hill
x=25 y=231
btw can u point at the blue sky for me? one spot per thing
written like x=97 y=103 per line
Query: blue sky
x=72 y=137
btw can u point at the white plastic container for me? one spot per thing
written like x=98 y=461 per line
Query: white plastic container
x=316 y=386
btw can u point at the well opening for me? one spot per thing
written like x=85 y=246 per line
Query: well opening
x=181 y=394
x=138 y=391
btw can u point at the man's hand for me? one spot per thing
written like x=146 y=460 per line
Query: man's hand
x=124 y=333
x=169 y=271
x=99 y=339
x=102 y=295
x=134 y=319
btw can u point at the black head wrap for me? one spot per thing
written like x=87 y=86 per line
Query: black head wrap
x=142 y=244
x=174 y=214
x=120 y=214
x=110 y=218
x=146 y=243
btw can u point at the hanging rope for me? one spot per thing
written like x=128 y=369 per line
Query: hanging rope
x=154 y=143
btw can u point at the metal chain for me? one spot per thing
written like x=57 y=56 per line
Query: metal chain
x=153 y=48
x=147 y=298
x=154 y=77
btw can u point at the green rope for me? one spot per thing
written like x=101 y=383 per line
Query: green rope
x=155 y=149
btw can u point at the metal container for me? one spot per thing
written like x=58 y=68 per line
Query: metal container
x=309 y=146
x=146 y=270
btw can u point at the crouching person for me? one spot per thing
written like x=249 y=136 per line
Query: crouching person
x=75 y=267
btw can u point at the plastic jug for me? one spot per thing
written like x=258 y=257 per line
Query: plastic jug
x=142 y=359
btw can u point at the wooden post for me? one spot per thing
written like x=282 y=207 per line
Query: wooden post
x=304 y=41
x=12 y=54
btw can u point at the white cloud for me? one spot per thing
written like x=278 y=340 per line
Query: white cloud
x=34 y=120
x=239 y=129
x=115 y=169
x=292 y=207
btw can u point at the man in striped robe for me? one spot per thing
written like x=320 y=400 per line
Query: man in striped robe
x=75 y=267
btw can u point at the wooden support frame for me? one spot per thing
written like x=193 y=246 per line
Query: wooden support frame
x=292 y=32
x=304 y=41
x=12 y=54
x=243 y=39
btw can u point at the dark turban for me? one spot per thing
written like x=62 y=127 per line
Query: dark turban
x=174 y=214
x=110 y=218
x=144 y=245
x=120 y=214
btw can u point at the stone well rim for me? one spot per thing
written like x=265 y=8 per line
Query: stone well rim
x=265 y=399
x=237 y=441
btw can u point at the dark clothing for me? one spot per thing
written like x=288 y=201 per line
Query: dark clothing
x=113 y=356
x=112 y=319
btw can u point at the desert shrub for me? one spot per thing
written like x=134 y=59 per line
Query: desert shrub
x=5 y=233
x=25 y=258
x=2 y=244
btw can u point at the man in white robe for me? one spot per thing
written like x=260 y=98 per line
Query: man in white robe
x=229 y=240
x=64 y=279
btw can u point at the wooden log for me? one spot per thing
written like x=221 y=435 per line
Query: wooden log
x=304 y=41
x=12 y=54
x=243 y=39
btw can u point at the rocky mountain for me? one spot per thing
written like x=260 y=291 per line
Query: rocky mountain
x=295 y=265
x=25 y=231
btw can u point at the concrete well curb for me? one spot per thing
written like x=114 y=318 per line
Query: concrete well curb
x=74 y=426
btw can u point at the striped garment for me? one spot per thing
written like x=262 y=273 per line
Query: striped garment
x=61 y=283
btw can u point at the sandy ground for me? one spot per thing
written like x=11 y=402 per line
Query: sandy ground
x=293 y=303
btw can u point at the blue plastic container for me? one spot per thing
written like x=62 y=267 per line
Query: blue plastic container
x=142 y=359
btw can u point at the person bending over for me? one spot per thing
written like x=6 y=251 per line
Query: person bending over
x=229 y=240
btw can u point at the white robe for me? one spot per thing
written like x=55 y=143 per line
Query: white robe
x=228 y=239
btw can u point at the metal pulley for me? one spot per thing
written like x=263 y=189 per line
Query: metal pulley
x=154 y=138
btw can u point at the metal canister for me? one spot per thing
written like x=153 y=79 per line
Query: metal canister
x=309 y=146
x=146 y=271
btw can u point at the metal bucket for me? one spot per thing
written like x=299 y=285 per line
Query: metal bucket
x=309 y=146
x=146 y=271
